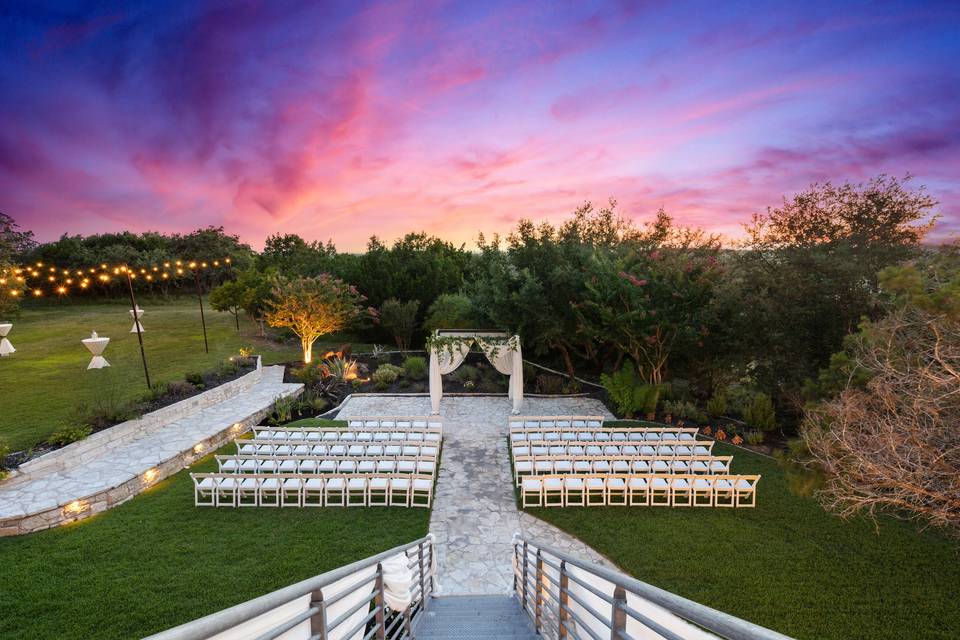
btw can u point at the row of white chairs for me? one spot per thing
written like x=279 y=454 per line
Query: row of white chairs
x=325 y=465
x=288 y=490
x=697 y=448
x=398 y=422
x=639 y=434
x=553 y=465
x=426 y=434
x=549 y=422
x=389 y=448
x=639 y=490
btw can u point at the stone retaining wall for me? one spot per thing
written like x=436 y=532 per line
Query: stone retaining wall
x=99 y=502
x=89 y=448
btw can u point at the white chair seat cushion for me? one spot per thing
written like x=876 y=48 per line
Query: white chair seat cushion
x=270 y=483
x=595 y=483
x=532 y=484
x=207 y=483
x=553 y=483
x=400 y=483
x=379 y=483
x=637 y=483
x=573 y=483
x=357 y=483
x=333 y=483
x=421 y=483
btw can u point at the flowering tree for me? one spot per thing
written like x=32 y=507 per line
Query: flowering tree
x=312 y=307
x=653 y=296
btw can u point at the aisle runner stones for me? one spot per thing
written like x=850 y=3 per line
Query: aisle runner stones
x=98 y=479
x=474 y=511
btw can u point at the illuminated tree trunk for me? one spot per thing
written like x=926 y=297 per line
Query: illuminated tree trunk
x=307 y=349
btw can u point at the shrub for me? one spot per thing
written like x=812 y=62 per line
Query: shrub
x=684 y=410
x=179 y=388
x=309 y=374
x=385 y=375
x=400 y=319
x=311 y=399
x=489 y=386
x=282 y=410
x=104 y=410
x=755 y=437
x=450 y=311
x=717 y=405
x=418 y=387
x=227 y=368
x=549 y=384
x=760 y=414
x=70 y=433
x=415 y=368
x=467 y=373
x=739 y=397
x=196 y=379
x=4 y=452
x=629 y=392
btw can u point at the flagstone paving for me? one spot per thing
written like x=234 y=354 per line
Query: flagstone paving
x=112 y=466
x=475 y=513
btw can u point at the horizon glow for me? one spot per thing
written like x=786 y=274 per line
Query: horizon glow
x=346 y=120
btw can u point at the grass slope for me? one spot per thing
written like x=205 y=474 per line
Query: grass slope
x=158 y=561
x=787 y=564
x=46 y=379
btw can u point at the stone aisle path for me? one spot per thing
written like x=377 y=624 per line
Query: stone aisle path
x=474 y=511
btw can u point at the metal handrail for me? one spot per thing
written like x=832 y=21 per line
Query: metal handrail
x=529 y=557
x=227 y=619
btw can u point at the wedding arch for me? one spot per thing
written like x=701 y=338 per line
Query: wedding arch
x=448 y=349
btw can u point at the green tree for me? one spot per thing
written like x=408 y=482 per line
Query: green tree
x=450 y=311
x=313 y=307
x=400 y=319
x=807 y=274
x=229 y=297
x=14 y=244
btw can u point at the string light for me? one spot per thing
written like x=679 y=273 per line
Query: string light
x=60 y=280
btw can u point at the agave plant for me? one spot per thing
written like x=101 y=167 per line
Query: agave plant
x=339 y=368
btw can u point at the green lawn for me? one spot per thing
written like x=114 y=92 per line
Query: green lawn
x=158 y=561
x=786 y=564
x=44 y=381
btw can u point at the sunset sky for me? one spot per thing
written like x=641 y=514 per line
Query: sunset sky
x=343 y=120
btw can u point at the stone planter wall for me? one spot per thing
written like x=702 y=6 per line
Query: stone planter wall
x=91 y=447
x=90 y=505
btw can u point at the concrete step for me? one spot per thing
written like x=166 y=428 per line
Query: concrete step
x=475 y=618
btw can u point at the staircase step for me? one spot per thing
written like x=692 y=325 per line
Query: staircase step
x=474 y=618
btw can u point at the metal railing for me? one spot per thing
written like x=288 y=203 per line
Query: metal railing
x=590 y=601
x=378 y=620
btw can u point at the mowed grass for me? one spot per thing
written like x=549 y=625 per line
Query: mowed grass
x=787 y=564
x=158 y=561
x=45 y=381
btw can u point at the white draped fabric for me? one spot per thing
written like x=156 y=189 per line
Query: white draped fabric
x=505 y=359
x=397 y=582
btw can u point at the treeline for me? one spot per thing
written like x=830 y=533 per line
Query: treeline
x=598 y=292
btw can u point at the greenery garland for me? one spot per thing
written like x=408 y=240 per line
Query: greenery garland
x=453 y=344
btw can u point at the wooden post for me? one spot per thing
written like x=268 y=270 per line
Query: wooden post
x=203 y=321
x=524 y=574
x=318 y=622
x=539 y=606
x=564 y=611
x=136 y=322
x=618 y=617
x=379 y=604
